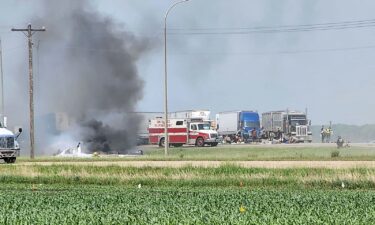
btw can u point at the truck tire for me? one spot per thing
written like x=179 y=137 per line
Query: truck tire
x=10 y=160
x=214 y=144
x=162 y=142
x=199 y=142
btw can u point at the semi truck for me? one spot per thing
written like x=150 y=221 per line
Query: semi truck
x=9 y=147
x=232 y=123
x=182 y=131
x=292 y=125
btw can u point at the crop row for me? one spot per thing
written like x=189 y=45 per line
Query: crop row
x=41 y=204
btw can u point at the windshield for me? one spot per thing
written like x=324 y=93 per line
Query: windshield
x=254 y=124
x=298 y=122
x=6 y=142
x=204 y=126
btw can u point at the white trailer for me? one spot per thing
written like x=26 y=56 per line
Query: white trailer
x=227 y=123
x=191 y=114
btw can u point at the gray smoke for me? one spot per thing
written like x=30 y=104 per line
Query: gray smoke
x=88 y=71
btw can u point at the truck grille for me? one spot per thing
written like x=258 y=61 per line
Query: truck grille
x=213 y=135
x=301 y=130
x=6 y=142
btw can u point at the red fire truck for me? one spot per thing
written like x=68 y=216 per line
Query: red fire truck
x=182 y=131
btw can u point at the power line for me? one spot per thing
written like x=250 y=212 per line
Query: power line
x=281 y=52
x=276 y=29
x=116 y=51
x=353 y=22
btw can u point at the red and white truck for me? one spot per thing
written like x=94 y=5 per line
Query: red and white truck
x=182 y=131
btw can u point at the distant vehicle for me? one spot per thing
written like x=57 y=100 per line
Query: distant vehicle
x=182 y=131
x=234 y=123
x=9 y=147
x=293 y=125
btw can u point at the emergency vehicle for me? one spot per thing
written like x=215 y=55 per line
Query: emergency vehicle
x=182 y=131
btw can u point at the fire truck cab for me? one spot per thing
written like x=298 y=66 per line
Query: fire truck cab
x=182 y=131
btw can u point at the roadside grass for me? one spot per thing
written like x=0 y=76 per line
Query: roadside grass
x=230 y=153
x=262 y=153
x=226 y=175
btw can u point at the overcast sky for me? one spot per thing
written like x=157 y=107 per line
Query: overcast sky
x=330 y=72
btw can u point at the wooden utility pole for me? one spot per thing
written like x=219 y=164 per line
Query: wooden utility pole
x=29 y=33
x=2 y=86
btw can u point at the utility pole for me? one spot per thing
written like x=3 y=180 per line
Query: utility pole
x=29 y=33
x=2 y=85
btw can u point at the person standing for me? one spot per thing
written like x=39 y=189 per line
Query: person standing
x=278 y=134
x=322 y=133
x=254 y=134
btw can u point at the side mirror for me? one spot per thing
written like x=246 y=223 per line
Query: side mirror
x=19 y=133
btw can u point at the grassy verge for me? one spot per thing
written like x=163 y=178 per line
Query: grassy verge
x=223 y=176
x=233 y=153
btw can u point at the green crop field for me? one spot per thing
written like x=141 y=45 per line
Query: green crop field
x=28 y=204
x=109 y=190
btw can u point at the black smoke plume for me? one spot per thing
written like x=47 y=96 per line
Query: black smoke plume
x=88 y=71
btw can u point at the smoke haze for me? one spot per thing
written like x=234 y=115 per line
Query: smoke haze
x=218 y=72
x=89 y=73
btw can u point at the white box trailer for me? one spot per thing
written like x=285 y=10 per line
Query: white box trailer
x=191 y=114
x=227 y=122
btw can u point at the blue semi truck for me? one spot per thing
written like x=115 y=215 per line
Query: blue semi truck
x=234 y=124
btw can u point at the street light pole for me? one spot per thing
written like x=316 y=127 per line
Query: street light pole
x=166 y=138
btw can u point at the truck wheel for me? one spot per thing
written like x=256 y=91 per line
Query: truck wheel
x=162 y=142
x=199 y=142
x=214 y=144
x=10 y=160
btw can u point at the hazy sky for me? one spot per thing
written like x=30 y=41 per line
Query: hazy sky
x=331 y=72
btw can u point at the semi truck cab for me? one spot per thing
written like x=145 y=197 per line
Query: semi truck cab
x=248 y=122
x=9 y=147
x=299 y=127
